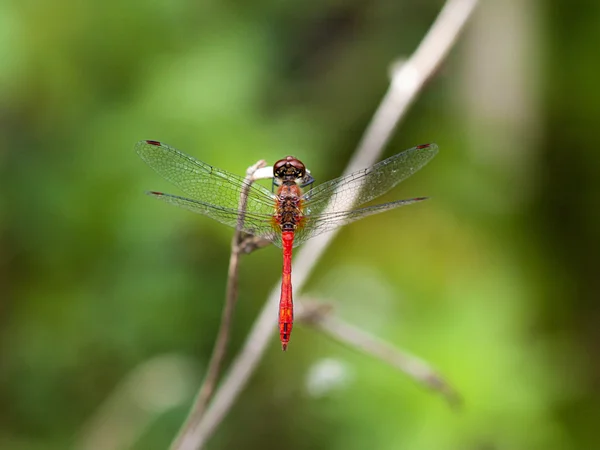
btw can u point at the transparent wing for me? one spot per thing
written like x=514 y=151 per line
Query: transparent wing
x=204 y=183
x=367 y=184
x=261 y=225
x=321 y=223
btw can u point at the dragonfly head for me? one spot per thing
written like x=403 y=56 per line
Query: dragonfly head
x=289 y=169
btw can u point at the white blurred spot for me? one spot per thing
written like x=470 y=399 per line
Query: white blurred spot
x=405 y=78
x=327 y=375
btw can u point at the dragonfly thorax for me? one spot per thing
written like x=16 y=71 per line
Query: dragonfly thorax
x=289 y=206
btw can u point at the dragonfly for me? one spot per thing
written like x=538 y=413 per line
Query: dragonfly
x=287 y=216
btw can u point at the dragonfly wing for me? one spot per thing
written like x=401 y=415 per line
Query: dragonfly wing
x=204 y=183
x=365 y=185
x=321 y=223
x=251 y=223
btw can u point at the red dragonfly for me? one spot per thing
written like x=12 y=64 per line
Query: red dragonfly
x=288 y=217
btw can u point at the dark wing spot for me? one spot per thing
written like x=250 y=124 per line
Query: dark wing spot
x=153 y=143
x=422 y=146
x=155 y=193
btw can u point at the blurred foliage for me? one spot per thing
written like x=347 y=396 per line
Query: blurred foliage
x=494 y=281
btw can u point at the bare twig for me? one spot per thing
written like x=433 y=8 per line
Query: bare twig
x=320 y=318
x=407 y=82
x=183 y=440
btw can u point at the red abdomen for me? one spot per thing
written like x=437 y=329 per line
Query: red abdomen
x=286 y=303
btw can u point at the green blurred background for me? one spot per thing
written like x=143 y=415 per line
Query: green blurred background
x=110 y=301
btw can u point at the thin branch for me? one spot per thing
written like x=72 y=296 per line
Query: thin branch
x=407 y=82
x=319 y=316
x=184 y=438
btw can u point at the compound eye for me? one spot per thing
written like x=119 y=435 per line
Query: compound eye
x=298 y=166
x=279 y=166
